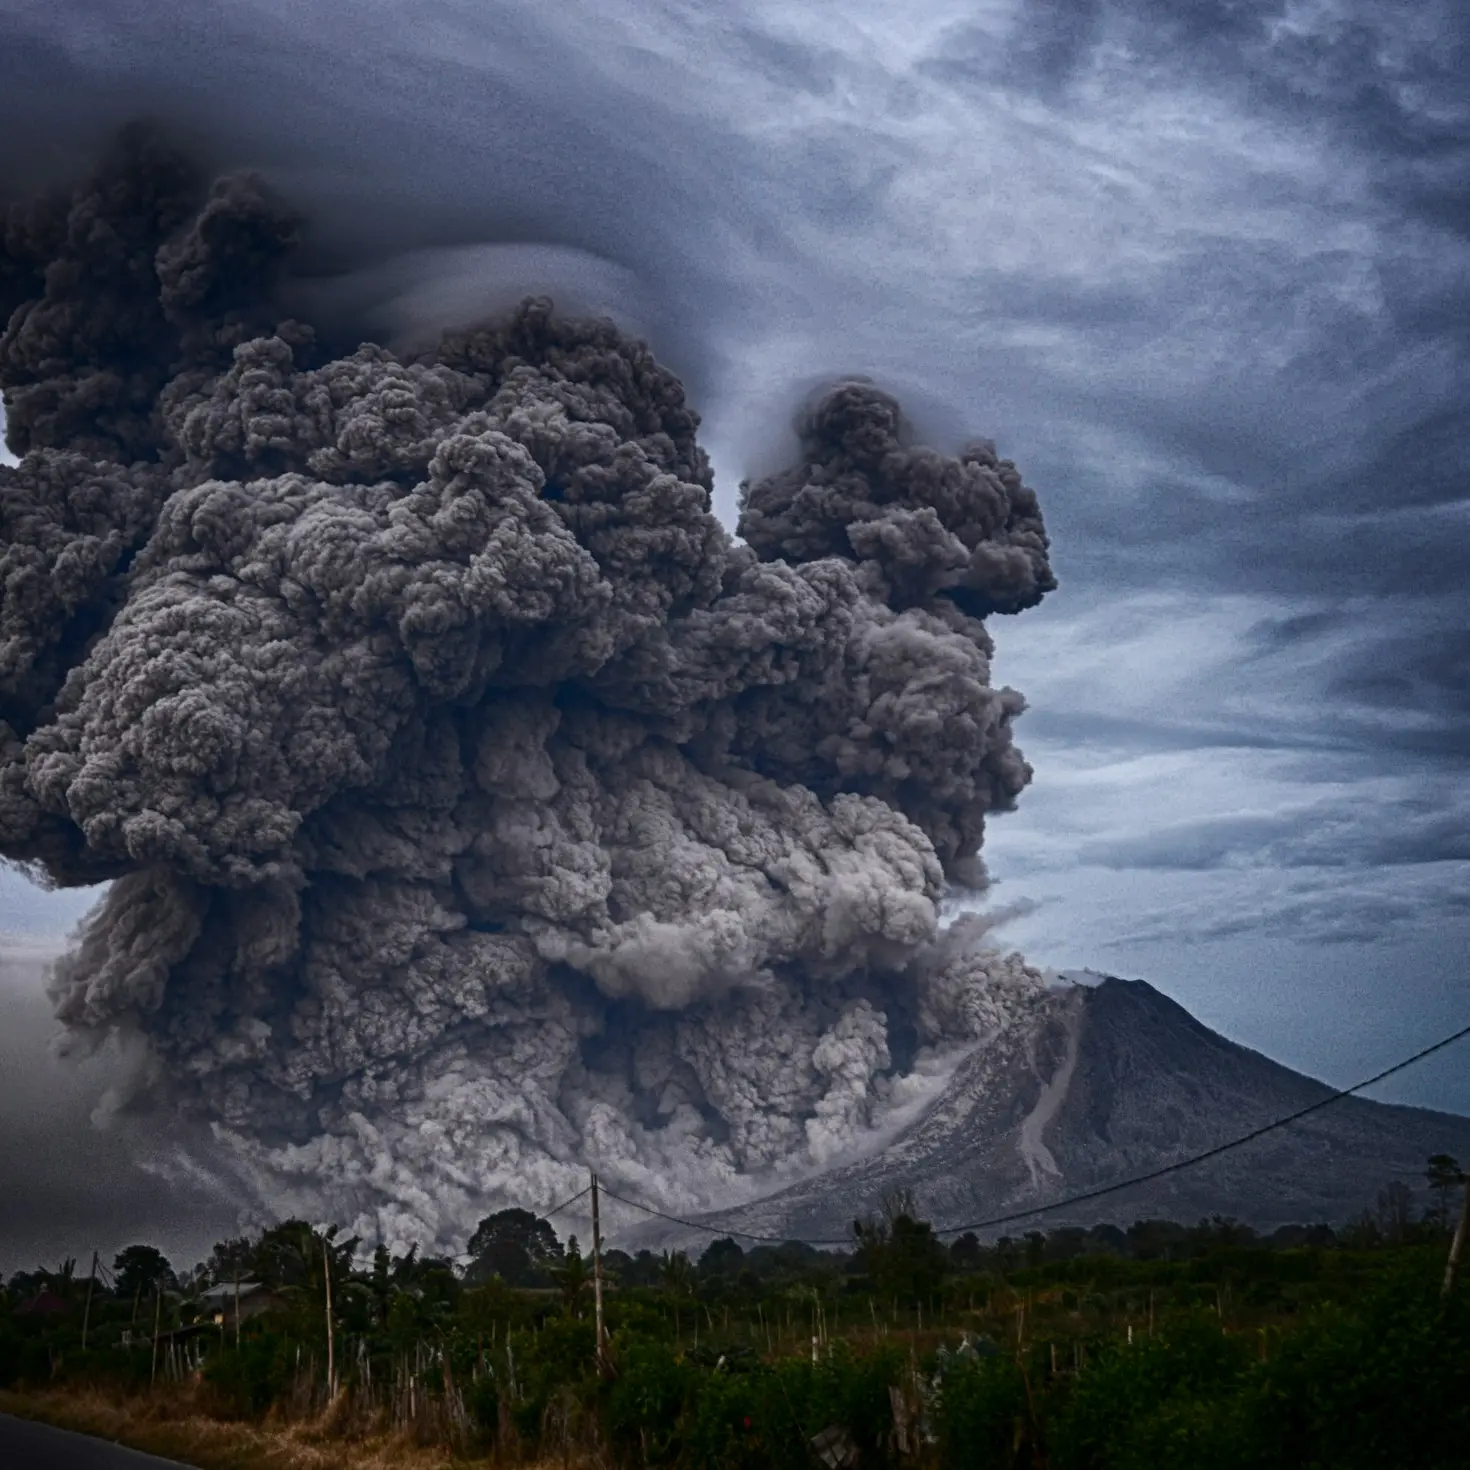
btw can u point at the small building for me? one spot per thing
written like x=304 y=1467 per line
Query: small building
x=254 y=1298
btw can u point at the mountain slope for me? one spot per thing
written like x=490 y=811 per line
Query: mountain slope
x=1112 y=1081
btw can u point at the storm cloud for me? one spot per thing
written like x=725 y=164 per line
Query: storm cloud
x=474 y=807
x=1203 y=275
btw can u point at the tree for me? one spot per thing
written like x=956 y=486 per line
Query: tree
x=140 y=1270
x=1066 y=1244
x=967 y=1252
x=1217 y=1231
x=1445 y=1177
x=519 y=1247
x=1362 y=1232
x=1395 y=1211
x=675 y=1274
x=231 y=1260
x=618 y=1266
x=284 y=1255
x=722 y=1257
x=1107 y=1240
x=642 y=1270
x=291 y=1254
x=63 y=1279
x=573 y=1276
x=381 y=1283
x=902 y=1256
x=1155 y=1240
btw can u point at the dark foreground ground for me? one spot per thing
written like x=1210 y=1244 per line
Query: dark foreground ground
x=25 y=1445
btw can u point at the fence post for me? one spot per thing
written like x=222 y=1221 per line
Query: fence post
x=1457 y=1245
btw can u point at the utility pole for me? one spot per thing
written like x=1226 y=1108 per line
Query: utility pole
x=1457 y=1245
x=157 y=1318
x=597 y=1276
x=331 y=1342
x=87 y=1310
x=237 y=1306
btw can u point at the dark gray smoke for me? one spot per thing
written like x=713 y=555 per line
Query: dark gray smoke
x=474 y=805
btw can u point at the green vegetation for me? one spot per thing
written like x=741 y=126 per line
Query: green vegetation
x=1204 y=1348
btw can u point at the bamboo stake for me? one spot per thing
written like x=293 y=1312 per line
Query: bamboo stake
x=331 y=1341
x=1457 y=1245
x=157 y=1318
x=87 y=1310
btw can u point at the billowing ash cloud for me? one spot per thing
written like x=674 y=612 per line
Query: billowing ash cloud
x=474 y=805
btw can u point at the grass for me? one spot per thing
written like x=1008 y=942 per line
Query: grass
x=176 y=1425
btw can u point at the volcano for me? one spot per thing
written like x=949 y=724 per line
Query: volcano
x=1113 y=1080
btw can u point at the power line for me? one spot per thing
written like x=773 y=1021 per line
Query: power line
x=1209 y=1153
x=566 y=1204
x=1089 y=1194
x=719 y=1230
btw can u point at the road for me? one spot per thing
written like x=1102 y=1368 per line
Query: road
x=25 y=1445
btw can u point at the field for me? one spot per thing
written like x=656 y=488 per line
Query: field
x=1159 y=1347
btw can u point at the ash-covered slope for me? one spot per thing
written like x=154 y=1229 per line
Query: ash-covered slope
x=1105 y=1083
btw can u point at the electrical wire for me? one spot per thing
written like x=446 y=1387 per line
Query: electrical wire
x=1209 y=1153
x=1088 y=1194
x=719 y=1230
x=566 y=1203
x=1050 y=1206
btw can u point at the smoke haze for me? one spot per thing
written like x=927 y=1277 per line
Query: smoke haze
x=474 y=806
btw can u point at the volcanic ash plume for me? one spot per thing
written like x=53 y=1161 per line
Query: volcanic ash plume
x=473 y=805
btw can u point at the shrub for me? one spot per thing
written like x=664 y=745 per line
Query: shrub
x=484 y=1406
x=982 y=1417
x=1151 y=1403
x=251 y=1377
x=1383 y=1381
x=646 y=1403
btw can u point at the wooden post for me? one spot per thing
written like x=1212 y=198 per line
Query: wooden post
x=87 y=1310
x=237 y=1306
x=597 y=1276
x=331 y=1341
x=157 y=1318
x=1457 y=1245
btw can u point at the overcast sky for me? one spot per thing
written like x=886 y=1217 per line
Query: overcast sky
x=1203 y=271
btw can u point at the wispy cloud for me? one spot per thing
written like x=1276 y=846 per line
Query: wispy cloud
x=1201 y=269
